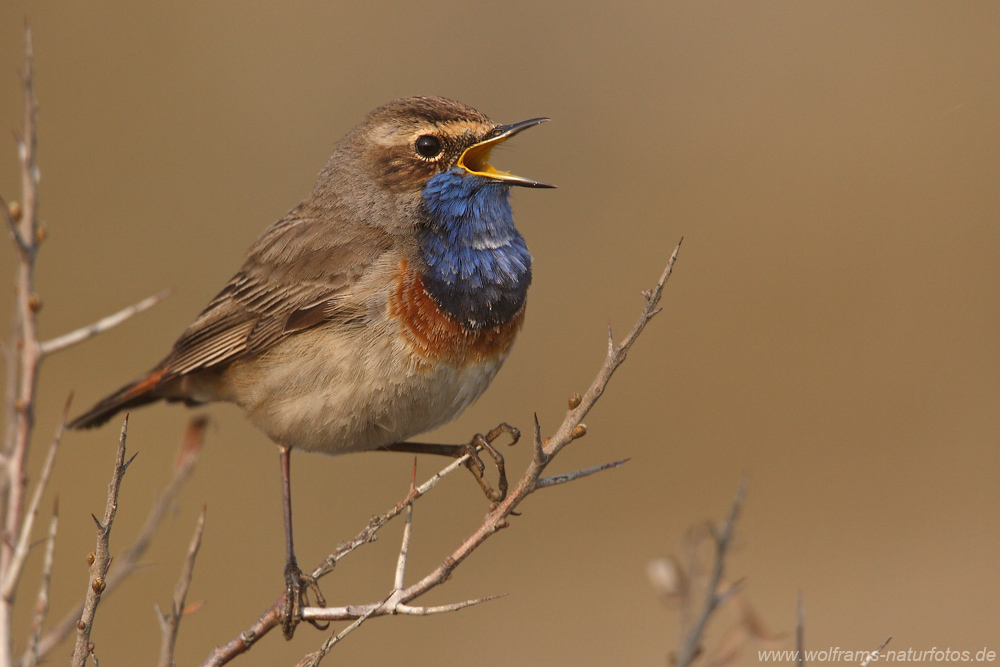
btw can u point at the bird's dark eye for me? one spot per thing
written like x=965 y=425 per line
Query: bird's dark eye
x=428 y=145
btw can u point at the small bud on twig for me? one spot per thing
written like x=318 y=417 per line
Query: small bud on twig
x=574 y=401
x=91 y=557
x=579 y=431
x=98 y=585
x=35 y=303
x=15 y=211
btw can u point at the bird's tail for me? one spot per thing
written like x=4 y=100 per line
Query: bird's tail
x=132 y=395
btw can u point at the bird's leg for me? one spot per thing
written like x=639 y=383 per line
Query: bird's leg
x=474 y=463
x=297 y=583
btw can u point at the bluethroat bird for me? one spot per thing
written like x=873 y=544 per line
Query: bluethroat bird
x=378 y=308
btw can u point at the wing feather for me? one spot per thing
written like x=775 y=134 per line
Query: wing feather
x=298 y=274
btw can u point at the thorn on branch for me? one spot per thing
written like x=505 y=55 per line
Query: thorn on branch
x=579 y=474
x=539 y=452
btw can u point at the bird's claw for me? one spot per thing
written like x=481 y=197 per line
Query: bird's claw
x=476 y=466
x=297 y=588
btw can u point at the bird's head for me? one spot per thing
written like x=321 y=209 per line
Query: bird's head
x=383 y=166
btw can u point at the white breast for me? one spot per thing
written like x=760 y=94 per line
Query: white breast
x=336 y=392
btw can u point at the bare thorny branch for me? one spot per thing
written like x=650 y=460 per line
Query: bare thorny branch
x=397 y=602
x=127 y=561
x=100 y=559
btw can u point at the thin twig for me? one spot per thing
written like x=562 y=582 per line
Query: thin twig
x=553 y=480
x=127 y=560
x=387 y=608
x=800 y=631
x=404 y=548
x=101 y=325
x=872 y=656
x=171 y=623
x=42 y=606
x=101 y=557
x=13 y=574
x=723 y=539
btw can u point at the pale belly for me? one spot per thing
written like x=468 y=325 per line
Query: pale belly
x=335 y=393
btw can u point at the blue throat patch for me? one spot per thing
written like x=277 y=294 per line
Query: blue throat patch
x=478 y=266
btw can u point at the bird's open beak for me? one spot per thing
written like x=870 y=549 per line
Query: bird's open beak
x=475 y=159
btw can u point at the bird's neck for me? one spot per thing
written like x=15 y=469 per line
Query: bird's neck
x=478 y=266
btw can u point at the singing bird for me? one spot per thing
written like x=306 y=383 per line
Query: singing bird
x=377 y=309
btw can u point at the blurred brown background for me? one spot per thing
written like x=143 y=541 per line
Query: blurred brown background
x=831 y=327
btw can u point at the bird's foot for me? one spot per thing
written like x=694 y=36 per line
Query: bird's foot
x=476 y=466
x=297 y=588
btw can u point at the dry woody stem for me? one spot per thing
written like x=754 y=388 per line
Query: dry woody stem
x=101 y=558
x=24 y=353
x=170 y=623
x=42 y=605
